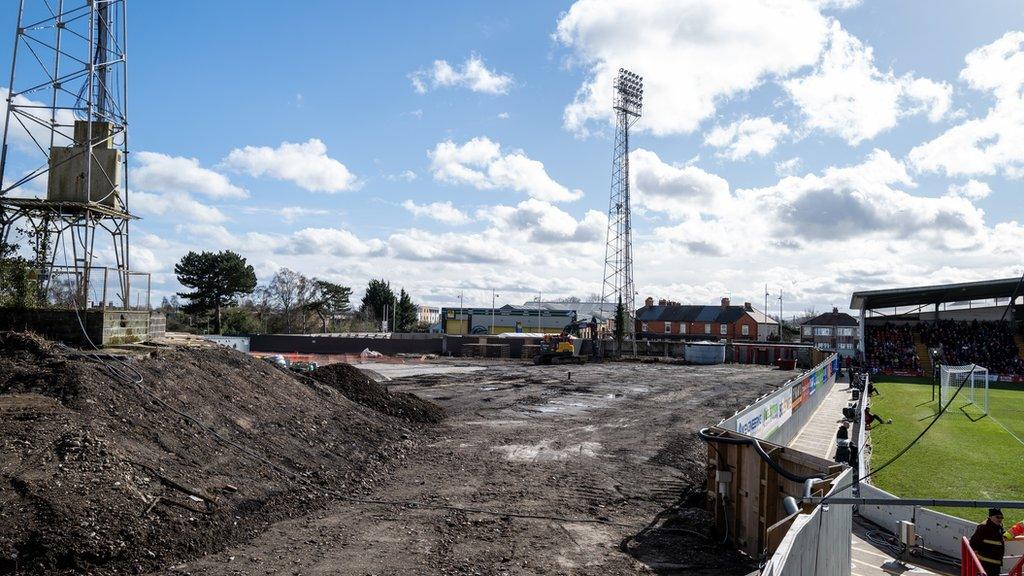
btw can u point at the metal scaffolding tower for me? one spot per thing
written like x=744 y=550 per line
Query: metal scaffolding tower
x=66 y=133
x=618 y=254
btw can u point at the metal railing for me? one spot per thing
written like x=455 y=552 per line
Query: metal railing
x=97 y=287
x=970 y=565
x=1018 y=568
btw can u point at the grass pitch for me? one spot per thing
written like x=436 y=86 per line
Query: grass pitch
x=964 y=455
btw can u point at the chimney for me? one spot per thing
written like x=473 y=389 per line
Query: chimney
x=835 y=310
x=662 y=302
x=725 y=302
x=649 y=302
x=748 y=307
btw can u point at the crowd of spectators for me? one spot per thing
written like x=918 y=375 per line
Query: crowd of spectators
x=989 y=344
x=891 y=348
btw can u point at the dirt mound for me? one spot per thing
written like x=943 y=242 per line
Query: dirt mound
x=99 y=475
x=358 y=387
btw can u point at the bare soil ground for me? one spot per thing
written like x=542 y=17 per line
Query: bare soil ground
x=604 y=456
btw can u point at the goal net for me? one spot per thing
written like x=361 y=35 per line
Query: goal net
x=975 y=385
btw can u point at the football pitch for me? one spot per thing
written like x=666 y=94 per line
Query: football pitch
x=965 y=455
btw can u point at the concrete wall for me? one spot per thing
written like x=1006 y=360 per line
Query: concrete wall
x=817 y=543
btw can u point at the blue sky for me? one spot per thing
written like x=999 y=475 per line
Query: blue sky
x=818 y=147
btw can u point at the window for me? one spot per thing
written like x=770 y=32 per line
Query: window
x=846 y=331
x=668 y=327
x=845 y=346
x=807 y=330
x=682 y=327
x=745 y=330
x=820 y=331
x=643 y=327
x=707 y=328
x=723 y=329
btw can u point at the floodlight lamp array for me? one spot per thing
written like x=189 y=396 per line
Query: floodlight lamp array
x=629 y=88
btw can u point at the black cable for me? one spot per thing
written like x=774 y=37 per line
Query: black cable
x=706 y=436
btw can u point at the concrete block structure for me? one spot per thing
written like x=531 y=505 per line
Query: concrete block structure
x=103 y=327
x=507 y=318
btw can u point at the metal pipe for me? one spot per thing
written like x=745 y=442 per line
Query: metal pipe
x=790 y=505
x=1015 y=504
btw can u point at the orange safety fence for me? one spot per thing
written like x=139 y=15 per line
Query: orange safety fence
x=970 y=565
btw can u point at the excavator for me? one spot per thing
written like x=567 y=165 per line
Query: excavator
x=559 y=348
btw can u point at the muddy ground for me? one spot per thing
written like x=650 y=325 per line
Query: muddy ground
x=605 y=456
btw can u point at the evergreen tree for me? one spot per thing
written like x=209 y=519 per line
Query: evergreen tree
x=216 y=280
x=378 y=296
x=331 y=300
x=620 y=324
x=406 y=313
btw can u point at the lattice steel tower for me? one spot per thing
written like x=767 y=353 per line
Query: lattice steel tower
x=66 y=135
x=618 y=253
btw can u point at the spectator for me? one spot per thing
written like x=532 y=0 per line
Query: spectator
x=988 y=542
x=844 y=431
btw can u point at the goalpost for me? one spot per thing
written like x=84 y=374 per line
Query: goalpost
x=975 y=389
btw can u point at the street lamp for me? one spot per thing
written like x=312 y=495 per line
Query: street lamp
x=493 y=296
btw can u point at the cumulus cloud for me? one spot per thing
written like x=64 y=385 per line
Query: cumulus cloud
x=306 y=164
x=327 y=241
x=972 y=190
x=846 y=95
x=868 y=198
x=678 y=190
x=473 y=74
x=443 y=212
x=481 y=164
x=691 y=53
x=544 y=222
x=993 y=144
x=419 y=245
x=28 y=134
x=747 y=136
x=178 y=206
x=788 y=167
x=158 y=172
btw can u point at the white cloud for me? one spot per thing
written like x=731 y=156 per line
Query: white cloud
x=176 y=206
x=788 y=167
x=678 y=190
x=327 y=241
x=691 y=53
x=27 y=134
x=992 y=144
x=443 y=212
x=747 y=136
x=862 y=200
x=404 y=176
x=158 y=172
x=473 y=75
x=305 y=164
x=504 y=115
x=288 y=214
x=544 y=222
x=481 y=164
x=419 y=245
x=971 y=190
x=847 y=96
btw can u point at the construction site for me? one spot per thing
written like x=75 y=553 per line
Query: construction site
x=276 y=429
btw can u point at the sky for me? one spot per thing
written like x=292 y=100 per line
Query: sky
x=817 y=147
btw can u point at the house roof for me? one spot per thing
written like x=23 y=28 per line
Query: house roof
x=691 y=313
x=832 y=319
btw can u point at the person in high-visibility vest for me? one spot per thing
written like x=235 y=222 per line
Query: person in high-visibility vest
x=988 y=541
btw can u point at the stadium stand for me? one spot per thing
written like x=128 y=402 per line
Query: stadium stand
x=891 y=348
x=990 y=344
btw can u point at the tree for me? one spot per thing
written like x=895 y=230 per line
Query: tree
x=291 y=292
x=330 y=301
x=216 y=280
x=378 y=296
x=569 y=299
x=405 y=313
x=240 y=321
x=620 y=324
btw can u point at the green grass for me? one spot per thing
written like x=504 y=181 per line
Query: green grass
x=958 y=457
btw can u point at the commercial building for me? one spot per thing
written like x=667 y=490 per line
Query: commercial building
x=604 y=312
x=428 y=314
x=670 y=319
x=834 y=331
x=508 y=318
